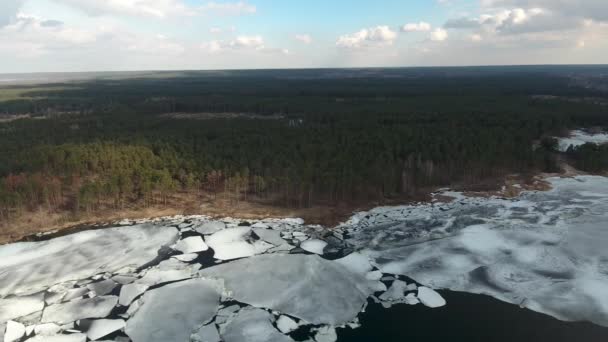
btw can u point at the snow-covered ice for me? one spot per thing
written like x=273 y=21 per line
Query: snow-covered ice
x=326 y=334
x=357 y=263
x=207 y=228
x=543 y=250
x=269 y=235
x=430 y=297
x=15 y=307
x=78 y=256
x=129 y=292
x=314 y=246
x=14 y=331
x=192 y=244
x=173 y=312
x=77 y=337
x=97 y=307
x=253 y=325
x=233 y=243
x=103 y=327
x=286 y=324
x=186 y=257
x=304 y=286
x=103 y=287
x=207 y=333
x=47 y=329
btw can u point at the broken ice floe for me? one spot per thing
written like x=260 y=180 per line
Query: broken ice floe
x=304 y=286
x=78 y=256
x=173 y=312
x=98 y=307
x=543 y=250
x=514 y=250
x=253 y=325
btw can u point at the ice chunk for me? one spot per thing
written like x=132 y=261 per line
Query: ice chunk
x=173 y=312
x=269 y=235
x=47 y=329
x=207 y=333
x=232 y=243
x=98 y=307
x=375 y=275
x=14 y=331
x=356 y=262
x=14 y=307
x=124 y=280
x=103 y=287
x=314 y=246
x=129 y=292
x=286 y=324
x=104 y=327
x=430 y=297
x=78 y=337
x=186 y=257
x=192 y=244
x=328 y=293
x=395 y=293
x=411 y=299
x=253 y=325
x=78 y=292
x=168 y=271
x=211 y=227
x=326 y=334
x=78 y=256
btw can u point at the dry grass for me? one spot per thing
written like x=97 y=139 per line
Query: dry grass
x=223 y=205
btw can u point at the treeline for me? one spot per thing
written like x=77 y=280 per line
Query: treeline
x=589 y=157
x=342 y=139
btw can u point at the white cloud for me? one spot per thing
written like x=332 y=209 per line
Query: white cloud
x=28 y=36
x=439 y=35
x=145 y=8
x=303 y=38
x=238 y=43
x=591 y=9
x=416 y=27
x=228 y=8
x=371 y=37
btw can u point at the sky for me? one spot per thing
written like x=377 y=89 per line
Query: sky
x=104 y=35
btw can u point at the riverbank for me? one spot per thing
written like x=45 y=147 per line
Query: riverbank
x=44 y=221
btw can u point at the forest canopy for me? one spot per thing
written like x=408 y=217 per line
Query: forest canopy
x=295 y=138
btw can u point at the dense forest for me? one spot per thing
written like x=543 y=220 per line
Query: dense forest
x=300 y=137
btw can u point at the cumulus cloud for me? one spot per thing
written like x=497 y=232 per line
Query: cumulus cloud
x=462 y=23
x=153 y=8
x=591 y=9
x=370 y=37
x=228 y=8
x=416 y=27
x=303 y=38
x=439 y=35
x=146 y=8
x=28 y=36
x=238 y=43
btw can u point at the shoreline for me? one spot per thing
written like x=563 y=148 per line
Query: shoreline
x=328 y=216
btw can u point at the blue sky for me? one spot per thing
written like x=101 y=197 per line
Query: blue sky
x=84 y=35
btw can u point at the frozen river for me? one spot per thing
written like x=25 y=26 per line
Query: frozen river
x=476 y=268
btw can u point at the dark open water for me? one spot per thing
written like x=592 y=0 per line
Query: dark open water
x=467 y=317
